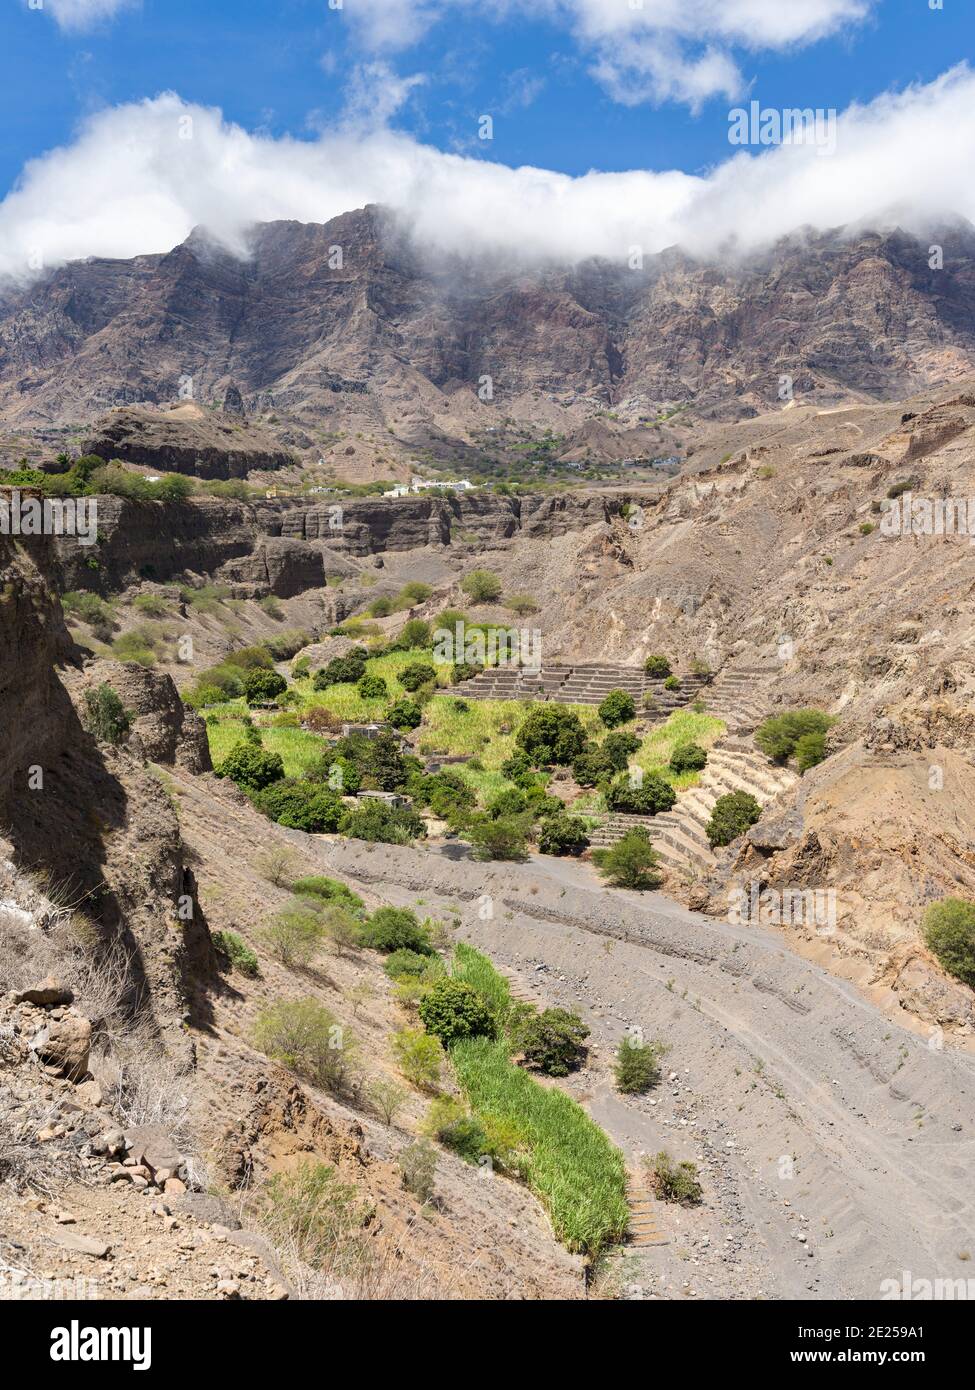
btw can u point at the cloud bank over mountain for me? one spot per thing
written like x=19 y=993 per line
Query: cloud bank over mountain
x=139 y=177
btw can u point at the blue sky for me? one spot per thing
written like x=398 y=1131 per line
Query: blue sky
x=126 y=123
x=284 y=67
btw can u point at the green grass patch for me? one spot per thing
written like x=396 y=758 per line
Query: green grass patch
x=298 y=748
x=683 y=726
x=344 y=700
x=572 y=1166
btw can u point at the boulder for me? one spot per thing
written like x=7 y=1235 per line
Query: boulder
x=63 y=1045
x=150 y=1145
x=45 y=995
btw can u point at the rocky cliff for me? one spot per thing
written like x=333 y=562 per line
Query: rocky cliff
x=388 y=341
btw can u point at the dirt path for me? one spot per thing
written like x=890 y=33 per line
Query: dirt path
x=836 y=1147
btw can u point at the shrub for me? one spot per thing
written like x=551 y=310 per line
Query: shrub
x=371 y=688
x=416 y=633
x=507 y=803
x=261 y=686
x=464 y=671
x=106 y=718
x=301 y=805
x=414 y=591
x=448 y=795
x=551 y=1040
x=342 y=928
x=236 y=950
x=563 y=835
x=295 y=934
x=310 y=1211
x=618 y=747
x=328 y=889
x=672 y=683
x=810 y=750
x=396 y=929
x=731 y=816
x=342 y=670
x=417 y=1164
x=454 y=1010
x=644 y=799
x=522 y=604
x=92 y=610
x=305 y=1036
x=505 y=838
x=949 y=932
x=617 y=708
x=592 y=766
x=320 y=720
x=420 y=1056
x=251 y=767
x=688 y=757
x=388 y=1098
x=381 y=824
x=777 y=736
x=405 y=964
x=416 y=674
x=631 y=862
x=657 y=666
x=674 y=1182
x=551 y=733
x=405 y=714
x=278 y=864
x=637 y=1066
x=481 y=586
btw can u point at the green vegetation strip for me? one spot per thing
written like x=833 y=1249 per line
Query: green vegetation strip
x=572 y=1166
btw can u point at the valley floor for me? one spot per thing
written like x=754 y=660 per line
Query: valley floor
x=835 y=1147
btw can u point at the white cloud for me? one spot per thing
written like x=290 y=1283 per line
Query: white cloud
x=84 y=14
x=130 y=184
x=641 y=50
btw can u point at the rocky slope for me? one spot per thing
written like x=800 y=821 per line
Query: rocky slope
x=357 y=348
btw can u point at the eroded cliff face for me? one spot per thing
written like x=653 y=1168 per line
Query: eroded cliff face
x=286 y=547
x=86 y=821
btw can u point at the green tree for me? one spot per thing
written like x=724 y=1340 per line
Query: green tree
x=731 y=816
x=810 y=750
x=643 y=798
x=381 y=824
x=617 y=708
x=563 y=835
x=949 y=932
x=404 y=714
x=631 y=862
x=778 y=735
x=453 y=1010
x=371 y=688
x=658 y=667
x=301 y=805
x=618 y=747
x=552 y=1040
x=251 y=767
x=688 y=757
x=416 y=674
x=551 y=733
x=396 y=929
x=504 y=838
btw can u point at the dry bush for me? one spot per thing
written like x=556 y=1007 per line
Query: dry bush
x=279 y=864
x=143 y=1085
